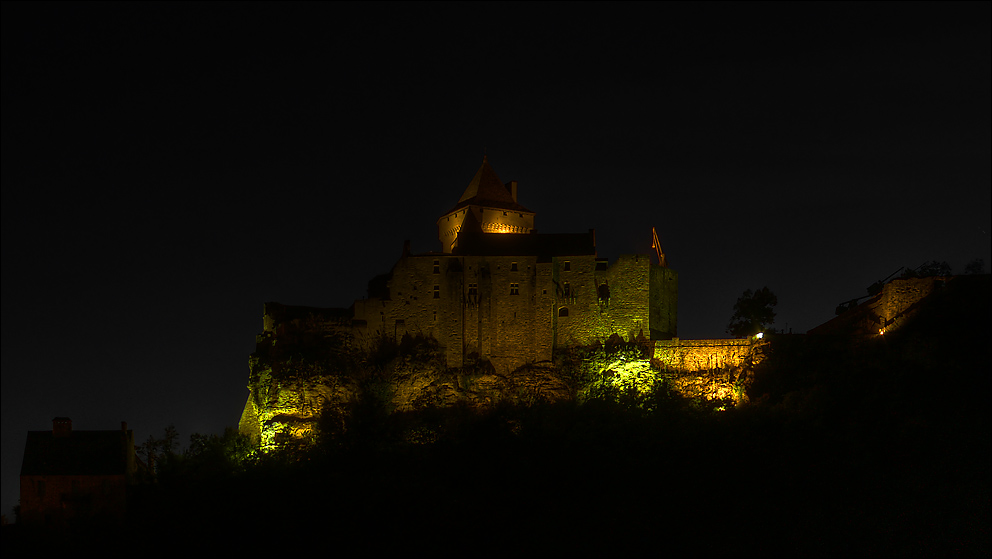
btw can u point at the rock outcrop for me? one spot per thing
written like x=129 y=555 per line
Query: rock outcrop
x=306 y=374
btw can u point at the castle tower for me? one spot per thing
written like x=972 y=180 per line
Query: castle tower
x=487 y=206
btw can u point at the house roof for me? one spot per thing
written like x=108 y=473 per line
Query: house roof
x=544 y=246
x=487 y=190
x=77 y=453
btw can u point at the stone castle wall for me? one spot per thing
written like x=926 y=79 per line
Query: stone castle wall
x=887 y=311
x=900 y=299
x=515 y=310
x=703 y=355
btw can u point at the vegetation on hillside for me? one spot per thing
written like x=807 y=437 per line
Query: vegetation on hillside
x=869 y=449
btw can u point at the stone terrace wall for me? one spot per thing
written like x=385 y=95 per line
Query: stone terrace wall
x=702 y=355
x=899 y=299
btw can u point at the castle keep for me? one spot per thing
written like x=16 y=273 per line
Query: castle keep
x=498 y=290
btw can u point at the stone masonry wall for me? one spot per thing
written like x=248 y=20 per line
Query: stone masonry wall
x=900 y=297
x=514 y=310
x=601 y=302
x=886 y=311
x=702 y=355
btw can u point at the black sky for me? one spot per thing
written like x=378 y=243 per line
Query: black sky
x=169 y=167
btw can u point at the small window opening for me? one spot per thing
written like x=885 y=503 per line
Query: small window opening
x=567 y=266
x=437 y=291
x=513 y=266
x=563 y=312
x=437 y=266
x=514 y=289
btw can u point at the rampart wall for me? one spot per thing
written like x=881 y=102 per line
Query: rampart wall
x=898 y=300
x=514 y=310
x=900 y=297
x=703 y=355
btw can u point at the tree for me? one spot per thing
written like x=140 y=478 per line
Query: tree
x=753 y=312
x=157 y=452
x=976 y=266
x=928 y=269
x=934 y=268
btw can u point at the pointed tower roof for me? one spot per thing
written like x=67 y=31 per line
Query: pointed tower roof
x=470 y=224
x=487 y=190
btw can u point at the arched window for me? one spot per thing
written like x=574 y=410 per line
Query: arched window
x=563 y=312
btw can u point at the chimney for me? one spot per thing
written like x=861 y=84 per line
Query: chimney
x=512 y=188
x=61 y=426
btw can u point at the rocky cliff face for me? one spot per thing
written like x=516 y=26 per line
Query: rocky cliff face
x=306 y=375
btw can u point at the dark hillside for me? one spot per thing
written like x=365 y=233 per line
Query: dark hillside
x=849 y=448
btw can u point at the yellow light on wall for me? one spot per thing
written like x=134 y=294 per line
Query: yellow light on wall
x=759 y=335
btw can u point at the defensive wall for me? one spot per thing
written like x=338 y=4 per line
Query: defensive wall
x=886 y=311
x=631 y=298
x=703 y=355
x=514 y=310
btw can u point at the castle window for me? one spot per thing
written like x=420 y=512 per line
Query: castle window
x=435 y=316
x=566 y=266
x=473 y=289
x=437 y=291
x=437 y=266
x=504 y=213
x=513 y=266
x=514 y=289
x=563 y=312
x=602 y=265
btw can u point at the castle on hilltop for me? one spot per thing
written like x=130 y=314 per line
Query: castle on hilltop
x=498 y=290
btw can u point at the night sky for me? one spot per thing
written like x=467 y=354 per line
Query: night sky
x=168 y=168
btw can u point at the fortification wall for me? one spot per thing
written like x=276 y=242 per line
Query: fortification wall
x=516 y=327
x=601 y=302
x=514 y=309
x=703 y=355
x=900 y=297
x=897 y=301
x=664 y=303
x=493 y=306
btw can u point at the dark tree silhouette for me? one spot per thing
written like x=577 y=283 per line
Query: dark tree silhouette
x=929 y=269
x=753 y=312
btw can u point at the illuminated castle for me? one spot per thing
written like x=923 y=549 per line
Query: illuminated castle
x=500 y=291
